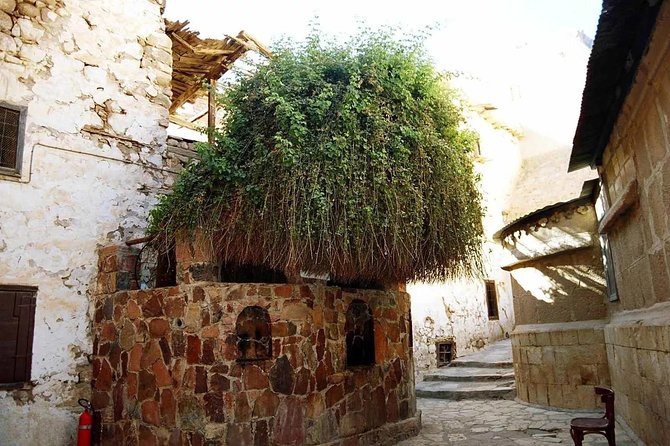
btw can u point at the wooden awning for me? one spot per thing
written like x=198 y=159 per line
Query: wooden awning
x=196 y=61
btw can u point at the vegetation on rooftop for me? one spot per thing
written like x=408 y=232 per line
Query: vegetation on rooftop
x=341 y=158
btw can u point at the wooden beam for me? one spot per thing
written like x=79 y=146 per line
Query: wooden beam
x=183 y=122
x=195 y=118
x=212 y=52
x=265 y=51
x=211 y=108
x=628 y=200
x=179 y=39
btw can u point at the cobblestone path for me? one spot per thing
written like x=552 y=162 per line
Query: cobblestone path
x=498 y=423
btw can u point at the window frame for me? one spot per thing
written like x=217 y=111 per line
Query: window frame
x=20 y=142
x=29 y=341
x=492 y=312
x=370 y=358
x=259 y=315
x=439 y=353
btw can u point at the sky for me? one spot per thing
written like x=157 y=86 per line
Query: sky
x=506 y=45
x=485 y=25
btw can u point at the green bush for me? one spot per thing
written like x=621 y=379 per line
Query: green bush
x=343 y=158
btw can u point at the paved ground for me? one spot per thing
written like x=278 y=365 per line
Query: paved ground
x=497 y=423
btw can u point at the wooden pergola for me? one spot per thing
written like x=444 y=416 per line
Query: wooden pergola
x=198 y=63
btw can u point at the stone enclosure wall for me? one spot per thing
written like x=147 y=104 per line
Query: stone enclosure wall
x=167 y=367
x=95 y=79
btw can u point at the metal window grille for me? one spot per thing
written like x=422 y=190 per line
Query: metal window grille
x=445 y=353
x=10 y=121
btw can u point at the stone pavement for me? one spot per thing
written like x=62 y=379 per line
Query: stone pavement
x=498 y=423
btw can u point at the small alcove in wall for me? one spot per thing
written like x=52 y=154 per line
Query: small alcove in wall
x=254 y=334
x=236 y=273
x=360 y=336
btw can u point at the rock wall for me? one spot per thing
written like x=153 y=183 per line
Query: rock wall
x=180 y=151
x=95 y=78
x=167 y=366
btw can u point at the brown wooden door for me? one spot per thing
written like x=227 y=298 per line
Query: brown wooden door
x=17 y=318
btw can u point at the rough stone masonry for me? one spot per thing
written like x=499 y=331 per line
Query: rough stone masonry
x=168 y=367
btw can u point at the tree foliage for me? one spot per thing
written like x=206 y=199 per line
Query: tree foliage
x=342 y=158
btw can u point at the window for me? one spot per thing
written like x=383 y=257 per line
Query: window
x=360 y=337
x=254 y=335
x=12 y=125
x=445 y=353
x=491 y=299
x=166 y=268
x=17 y=317
x=601 y=205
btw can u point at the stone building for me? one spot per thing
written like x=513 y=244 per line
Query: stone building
x=84 y=152
x=524 y=147
x=624 y=132
x=559 y=303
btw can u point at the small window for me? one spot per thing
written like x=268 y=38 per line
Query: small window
x=254 y=335
x=12 y=124
x=608 y=263
x=445 y=353
x=17 y=321
x=166 y=268
x=491 y=299
x=360 y=338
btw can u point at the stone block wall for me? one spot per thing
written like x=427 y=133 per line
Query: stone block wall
x=638 y=349
x=558 y=365
x=166 y=368
x=638 y=153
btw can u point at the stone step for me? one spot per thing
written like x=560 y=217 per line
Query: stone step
x=470 y=374
x=466 y=390
x=465 y=362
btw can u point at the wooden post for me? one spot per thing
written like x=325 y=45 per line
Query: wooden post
x=211 y=114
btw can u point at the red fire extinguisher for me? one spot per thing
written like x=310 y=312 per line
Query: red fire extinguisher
x=85 y=423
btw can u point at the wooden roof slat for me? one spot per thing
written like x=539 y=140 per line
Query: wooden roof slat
x=196 y=60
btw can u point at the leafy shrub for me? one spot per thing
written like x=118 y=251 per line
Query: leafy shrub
x=343 y=158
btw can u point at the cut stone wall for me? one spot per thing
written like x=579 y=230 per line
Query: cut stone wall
x=638 y=335
x=558 y=344
x=638 y=349
x=556 y=265
x=166 y=366
x=95 y=78
x=558 y=365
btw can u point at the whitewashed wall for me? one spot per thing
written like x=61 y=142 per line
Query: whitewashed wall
x=457 y=309
x=95 y=76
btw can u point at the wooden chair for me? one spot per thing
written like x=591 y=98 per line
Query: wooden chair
x=603 y=426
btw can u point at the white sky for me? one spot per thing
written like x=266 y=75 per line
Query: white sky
x=480 y=28
x=521 y=52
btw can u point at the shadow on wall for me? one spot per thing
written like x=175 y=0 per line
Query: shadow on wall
x=564 y=289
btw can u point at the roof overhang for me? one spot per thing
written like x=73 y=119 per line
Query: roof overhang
x=624 y=31
x=196 y=61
